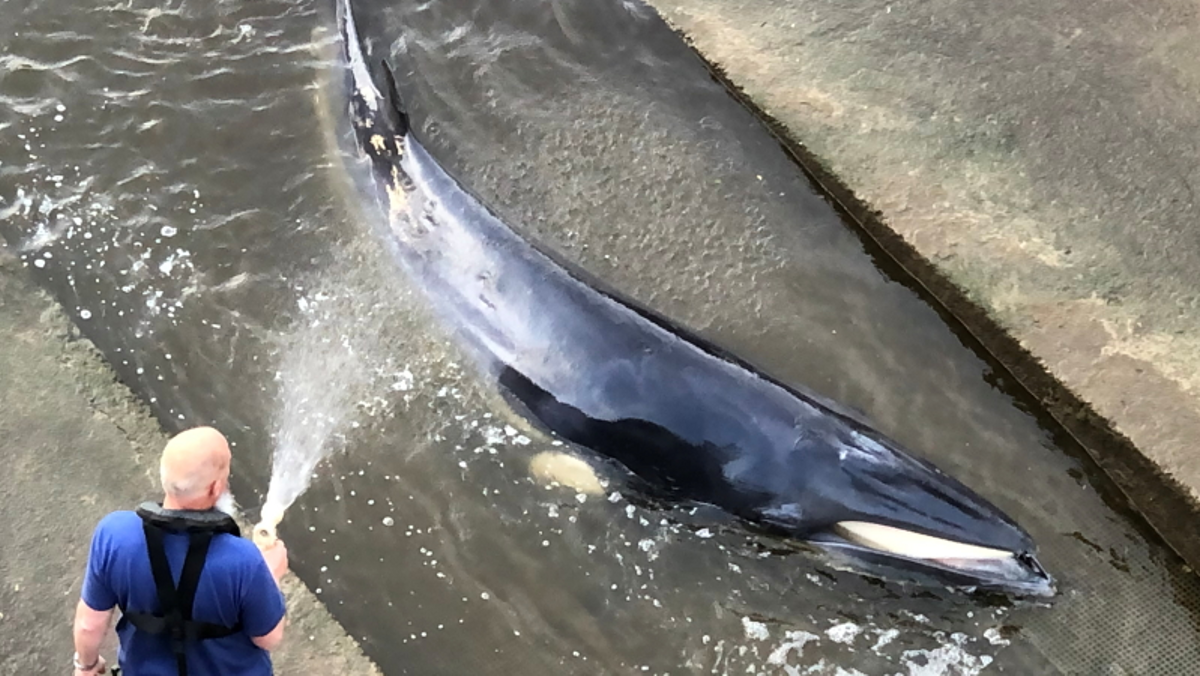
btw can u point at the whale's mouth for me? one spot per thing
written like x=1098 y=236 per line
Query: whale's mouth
x=889 y=549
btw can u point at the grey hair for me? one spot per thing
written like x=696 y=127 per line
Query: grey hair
x=181 y=487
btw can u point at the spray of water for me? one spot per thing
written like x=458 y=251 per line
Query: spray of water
x=322 y=376
x=333 y=363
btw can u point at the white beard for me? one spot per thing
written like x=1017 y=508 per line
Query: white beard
x=226 y=503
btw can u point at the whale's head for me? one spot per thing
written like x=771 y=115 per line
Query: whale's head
x=872 y=507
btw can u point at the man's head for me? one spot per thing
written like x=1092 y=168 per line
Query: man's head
x=195 y=469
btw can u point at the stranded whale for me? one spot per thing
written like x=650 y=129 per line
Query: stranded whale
x=689 y=422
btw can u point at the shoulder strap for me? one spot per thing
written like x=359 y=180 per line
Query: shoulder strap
x=189 y=577
x=168 y=596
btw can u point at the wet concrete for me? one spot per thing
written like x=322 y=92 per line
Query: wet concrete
x=77 y=445
x=1035 y=165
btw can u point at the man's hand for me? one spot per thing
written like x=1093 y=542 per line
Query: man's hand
x=275 y=554
x=100 y=668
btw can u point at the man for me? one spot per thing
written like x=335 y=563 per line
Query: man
x=151 y=561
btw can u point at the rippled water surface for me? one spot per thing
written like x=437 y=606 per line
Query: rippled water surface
x=170 y=171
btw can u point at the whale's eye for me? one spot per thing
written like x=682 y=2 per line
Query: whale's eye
x=914 y=545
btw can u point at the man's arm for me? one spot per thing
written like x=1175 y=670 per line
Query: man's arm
x=276 y=559
x=272 y=640
x=90 y=627
x=90 y=624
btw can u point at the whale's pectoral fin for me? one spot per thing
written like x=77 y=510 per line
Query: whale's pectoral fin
x=565 y=469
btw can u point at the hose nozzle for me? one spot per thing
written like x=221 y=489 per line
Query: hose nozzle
x=265 y=530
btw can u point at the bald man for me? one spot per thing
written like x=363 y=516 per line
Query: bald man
x=194 y=595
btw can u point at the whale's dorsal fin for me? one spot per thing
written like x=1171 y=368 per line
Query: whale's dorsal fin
x=395 y=110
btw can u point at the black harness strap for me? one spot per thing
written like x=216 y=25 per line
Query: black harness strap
x=189 y=578
x=175 y=602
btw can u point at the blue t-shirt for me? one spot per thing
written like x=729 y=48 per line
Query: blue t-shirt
x=235 y=586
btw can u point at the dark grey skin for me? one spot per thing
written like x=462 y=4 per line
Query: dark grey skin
x=691 y=423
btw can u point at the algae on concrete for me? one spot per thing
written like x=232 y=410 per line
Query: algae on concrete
x=75 y=446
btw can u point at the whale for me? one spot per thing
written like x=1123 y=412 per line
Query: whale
x=686 y=421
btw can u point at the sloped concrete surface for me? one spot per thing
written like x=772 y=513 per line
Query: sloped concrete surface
x=1042 y=159
x=76 y=445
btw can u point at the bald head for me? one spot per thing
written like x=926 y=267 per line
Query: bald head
x=195 y=468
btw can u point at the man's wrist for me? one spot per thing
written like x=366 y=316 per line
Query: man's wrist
x=79 y=666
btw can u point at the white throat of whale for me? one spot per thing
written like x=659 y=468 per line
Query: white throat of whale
x=914 y=545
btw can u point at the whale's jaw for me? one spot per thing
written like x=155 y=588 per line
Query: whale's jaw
x=897 y=553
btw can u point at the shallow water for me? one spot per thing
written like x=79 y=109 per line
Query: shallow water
x=168 y=170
